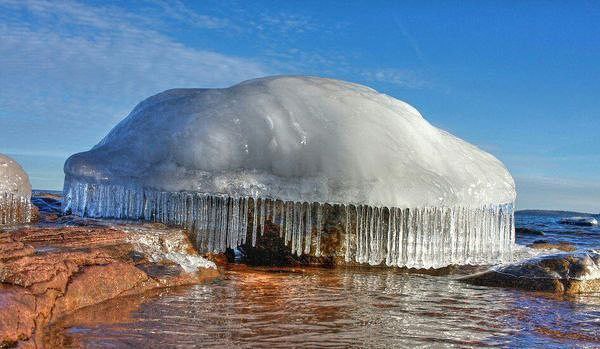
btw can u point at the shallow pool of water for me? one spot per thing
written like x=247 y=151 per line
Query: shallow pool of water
x=336 y=308
x=345 y=307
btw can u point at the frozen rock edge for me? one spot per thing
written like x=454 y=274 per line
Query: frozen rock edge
x=164 y=245
x=222 y=162
x=15 y=193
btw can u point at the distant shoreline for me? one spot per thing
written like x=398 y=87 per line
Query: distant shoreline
x=555 y=213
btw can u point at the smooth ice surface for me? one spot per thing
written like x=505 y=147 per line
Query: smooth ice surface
x=15 y=192
x=13 y=178
x=294 y=138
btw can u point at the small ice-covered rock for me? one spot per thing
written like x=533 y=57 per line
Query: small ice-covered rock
x=581 y=221
x=160 y=245
x=276 y=149
x=15 y=192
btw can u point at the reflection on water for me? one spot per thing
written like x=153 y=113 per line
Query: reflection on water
x=345 y=308
x=339 y=308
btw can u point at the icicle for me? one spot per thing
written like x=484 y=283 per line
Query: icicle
x=319 y=228
x=390 y=247
x=263 y=213
x=359 y=234
x=275 y=220
x=416 y=237
x=14 y=209
x=244 y=221
x=254 y=220
x=290 y=229
x=348 y=256
x=308 y=229
x=301 y=228
x=347 y=233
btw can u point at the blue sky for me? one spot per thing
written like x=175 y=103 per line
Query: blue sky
x=519 y=79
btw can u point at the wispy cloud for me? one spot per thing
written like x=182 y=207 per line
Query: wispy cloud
x=412 y=42
x=179 y=11
x=399 y=77
x=284 y=22
x=151 y=14
x=81 y=67
x=69 y=71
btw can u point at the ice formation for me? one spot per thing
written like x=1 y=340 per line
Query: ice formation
x=160 y=245
x=15 y=192
x=280 y=150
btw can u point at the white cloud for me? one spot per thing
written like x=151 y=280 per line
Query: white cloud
x=399 y=77
x=181 y=12
x=84 y=67
x=69 y=71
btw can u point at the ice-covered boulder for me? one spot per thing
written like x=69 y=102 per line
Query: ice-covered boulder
x=279 y=148
x=15 y=192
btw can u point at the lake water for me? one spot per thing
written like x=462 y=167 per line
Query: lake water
x=371 y=307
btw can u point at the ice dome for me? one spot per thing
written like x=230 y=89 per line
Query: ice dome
x=15 y=192
x=287 y=139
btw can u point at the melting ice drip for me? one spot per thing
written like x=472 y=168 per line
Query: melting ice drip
x=14 y=209
x=413 y=237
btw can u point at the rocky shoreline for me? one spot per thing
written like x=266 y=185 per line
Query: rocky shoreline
x=58 y=266
x=63 y=265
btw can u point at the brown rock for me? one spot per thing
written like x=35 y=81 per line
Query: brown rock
x=49 y=271
x=13 y=249
x=220 y=259
x=569 y=273
x=18 y=314
x=272 y=250
x=109 y=282
x=545 y=245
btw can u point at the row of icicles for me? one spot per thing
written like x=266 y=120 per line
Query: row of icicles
x=14 y=209
x=416 y=237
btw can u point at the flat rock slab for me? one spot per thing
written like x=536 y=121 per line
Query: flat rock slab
x=567 y=273
x=50 y=270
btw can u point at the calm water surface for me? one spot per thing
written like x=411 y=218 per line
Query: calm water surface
x=343 y=308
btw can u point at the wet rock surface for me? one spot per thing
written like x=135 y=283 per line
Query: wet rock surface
x=552 y=245
x=327 y=249
x=271 y=251
x=564 y=273
x=528 y=231
x=61 y=265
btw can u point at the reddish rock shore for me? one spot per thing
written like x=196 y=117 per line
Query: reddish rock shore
x=50 y=270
